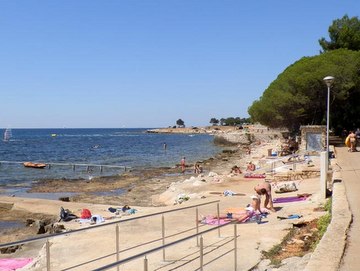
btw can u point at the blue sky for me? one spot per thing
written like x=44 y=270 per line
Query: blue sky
x=148 y=63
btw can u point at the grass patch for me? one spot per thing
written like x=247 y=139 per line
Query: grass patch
x=301 y=239
x=323 y=223
x=275 y=251
x=328 y=205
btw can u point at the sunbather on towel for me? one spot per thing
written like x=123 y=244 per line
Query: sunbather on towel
x=249 y=213
x=264 y=188
x=240 y=218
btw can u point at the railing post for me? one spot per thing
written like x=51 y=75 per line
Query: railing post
x=145 y=264
x=294 y=164
x=197 y=226
x=218 y=216
x=117 y=245
x=235 y=246
x=323 y=173
x=47 y=255
x=163 y=234
x=201 y=253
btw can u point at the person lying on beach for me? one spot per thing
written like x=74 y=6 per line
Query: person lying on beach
x=236 y=170
x=239 y=218
x=251 y=211
x=264 y=189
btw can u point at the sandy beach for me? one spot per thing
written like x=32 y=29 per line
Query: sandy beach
x=154 y=190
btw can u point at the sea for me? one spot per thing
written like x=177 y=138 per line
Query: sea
x=107 y=151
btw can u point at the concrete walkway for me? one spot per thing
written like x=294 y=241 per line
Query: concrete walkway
x=338 y=249
x=350 y=171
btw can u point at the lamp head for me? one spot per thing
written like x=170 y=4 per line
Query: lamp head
x=329 y=80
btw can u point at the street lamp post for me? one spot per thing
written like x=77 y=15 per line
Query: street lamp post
x=328 y=81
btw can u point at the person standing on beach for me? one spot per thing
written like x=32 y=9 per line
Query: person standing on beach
x=352 y=137
x=265 y=189
x=183 y=165
x=197 y=169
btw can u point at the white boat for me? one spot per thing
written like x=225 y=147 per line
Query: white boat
x=7 y=134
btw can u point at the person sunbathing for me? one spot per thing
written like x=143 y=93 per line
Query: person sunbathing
x=251 y=211
x=236 y=170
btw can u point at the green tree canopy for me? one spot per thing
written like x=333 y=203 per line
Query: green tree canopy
x=344 y=33
x=222 y=121
x=214 y=121
x=180 y=123
x=231 y=121
x=298 y=95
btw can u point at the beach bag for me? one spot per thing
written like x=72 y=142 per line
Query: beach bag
x=285 y=187
x=85 y=214
x=66 y=215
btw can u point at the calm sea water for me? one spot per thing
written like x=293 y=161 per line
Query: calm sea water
x=122 y=147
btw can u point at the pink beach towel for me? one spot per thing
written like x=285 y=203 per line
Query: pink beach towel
x=210 y=220
x=254 y=175
x=10 y=264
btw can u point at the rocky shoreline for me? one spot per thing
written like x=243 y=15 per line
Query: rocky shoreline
x=128 y=185
x=138 y=187
x=135 y=188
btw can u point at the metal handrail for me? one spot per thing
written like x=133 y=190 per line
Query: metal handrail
x=133 y=257
x=68 y=164
x=102 y=225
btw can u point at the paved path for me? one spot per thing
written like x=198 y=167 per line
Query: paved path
x=350 y=171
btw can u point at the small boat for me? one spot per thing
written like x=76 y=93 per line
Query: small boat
x=34 y=165
x=7 y=134
x=53 y=135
